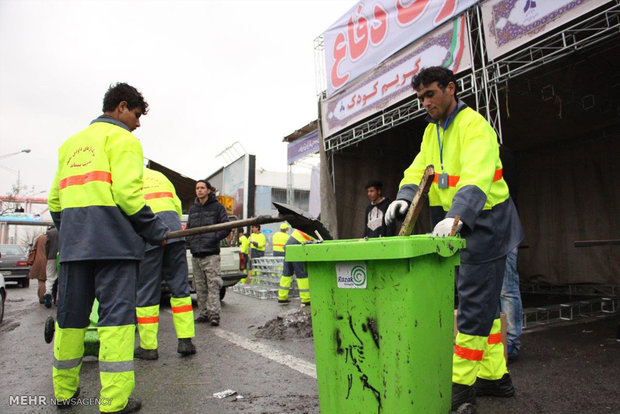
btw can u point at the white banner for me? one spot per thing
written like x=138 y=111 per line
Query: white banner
x=509 y=24
x=390 y=83
x=373 y=30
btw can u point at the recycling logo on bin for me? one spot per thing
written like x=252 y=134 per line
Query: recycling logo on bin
x=351 y=275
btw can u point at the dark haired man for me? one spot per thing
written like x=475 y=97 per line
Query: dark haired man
x=98 y=207
x=205 y=250
x=468 y=183
x=375 y=212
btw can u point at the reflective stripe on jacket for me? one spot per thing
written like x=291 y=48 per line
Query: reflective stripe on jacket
x=97 y=196
x=161 y=197
x=279 y=240
x=301 y=237
x=476 y=192
x=470 y=158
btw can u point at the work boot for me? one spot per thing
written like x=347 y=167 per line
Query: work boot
x=283 y=301
x=68 y=403
x=496 y=388
x=201 y=319
x=304 y=304
x=47 y=300
x=133 y=405
x=215 y=320
x=462 y=394
x=149 y=354
x=186 y=347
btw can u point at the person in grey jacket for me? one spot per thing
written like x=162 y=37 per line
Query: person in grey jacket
x=205 y=249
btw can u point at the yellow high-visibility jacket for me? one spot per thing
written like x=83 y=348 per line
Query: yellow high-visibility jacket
x=279 y=240
x=96 y=198
x=161 y=197
x=466 y=149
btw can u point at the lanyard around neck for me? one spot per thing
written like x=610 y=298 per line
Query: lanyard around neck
x=440 y=147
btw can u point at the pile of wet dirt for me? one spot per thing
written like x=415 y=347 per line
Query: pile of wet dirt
x=295 y=323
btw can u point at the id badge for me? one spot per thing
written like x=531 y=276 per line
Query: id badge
x=442 y=180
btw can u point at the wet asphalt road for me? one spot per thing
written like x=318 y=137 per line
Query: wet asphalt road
x=563 y=369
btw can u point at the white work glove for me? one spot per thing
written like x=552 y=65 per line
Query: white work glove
x=395 y=207
x=443 y=228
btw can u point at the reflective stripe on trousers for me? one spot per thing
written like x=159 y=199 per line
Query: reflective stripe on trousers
x=68 y=352
x=478 y=356
x=285 y=286
x=183 y=317
x=148 y=326
x=116 y=365
x=304 y=289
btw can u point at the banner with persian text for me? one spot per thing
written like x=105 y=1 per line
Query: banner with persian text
x=509 y=24
x=373 y=30
x=447 y=46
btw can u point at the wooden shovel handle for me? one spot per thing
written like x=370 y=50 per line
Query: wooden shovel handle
x=416 y=204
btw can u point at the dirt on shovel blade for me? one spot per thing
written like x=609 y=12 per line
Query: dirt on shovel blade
x=295 y=323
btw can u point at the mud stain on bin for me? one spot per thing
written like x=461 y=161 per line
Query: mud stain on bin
x=355 y=354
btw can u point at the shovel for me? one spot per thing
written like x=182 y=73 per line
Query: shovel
x=297 y=218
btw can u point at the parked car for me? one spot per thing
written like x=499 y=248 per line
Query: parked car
x=231 y=262
x=13 y=264
x=2 y=297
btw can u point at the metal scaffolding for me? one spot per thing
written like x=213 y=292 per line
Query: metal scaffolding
x=486 y=77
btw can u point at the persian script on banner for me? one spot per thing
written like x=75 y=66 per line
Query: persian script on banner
x=373 y=30
x=390 y=83
x=509 y=24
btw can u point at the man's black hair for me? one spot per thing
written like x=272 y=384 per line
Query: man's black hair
x=207 y=184
x=376 y=184
x=437 y=74
x=123 y=92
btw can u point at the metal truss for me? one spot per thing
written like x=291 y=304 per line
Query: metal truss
x=486 y=77
x=569 y=312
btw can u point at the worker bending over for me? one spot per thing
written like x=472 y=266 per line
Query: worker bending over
x=468 y=183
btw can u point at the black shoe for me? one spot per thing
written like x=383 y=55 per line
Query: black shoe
x=304 y=304
x=496 y=388
x=149 y=354
x=462 y=394
x=186 y=347
x=47 y=300
x=68 y=403
x=215 y=321
x=283 y=301
x=133 y=405
x=202 y=319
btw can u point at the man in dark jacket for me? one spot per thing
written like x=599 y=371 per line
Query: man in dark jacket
x=375 y=212
x=205 y=250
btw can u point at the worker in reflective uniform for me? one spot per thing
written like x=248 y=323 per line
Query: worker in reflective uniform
x=258 y=244
x=468 y=182
x=170 y=263
x=279 y=240
x=297 y=268
x=244 y=247
x=98 y=207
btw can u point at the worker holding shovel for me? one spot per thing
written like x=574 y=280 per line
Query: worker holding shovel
x=468 y=184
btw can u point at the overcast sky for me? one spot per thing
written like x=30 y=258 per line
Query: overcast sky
x=213 y=72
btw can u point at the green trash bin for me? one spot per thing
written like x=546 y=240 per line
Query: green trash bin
x=382 y=319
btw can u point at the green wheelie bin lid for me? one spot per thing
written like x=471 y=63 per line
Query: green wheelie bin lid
x=382 y=319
